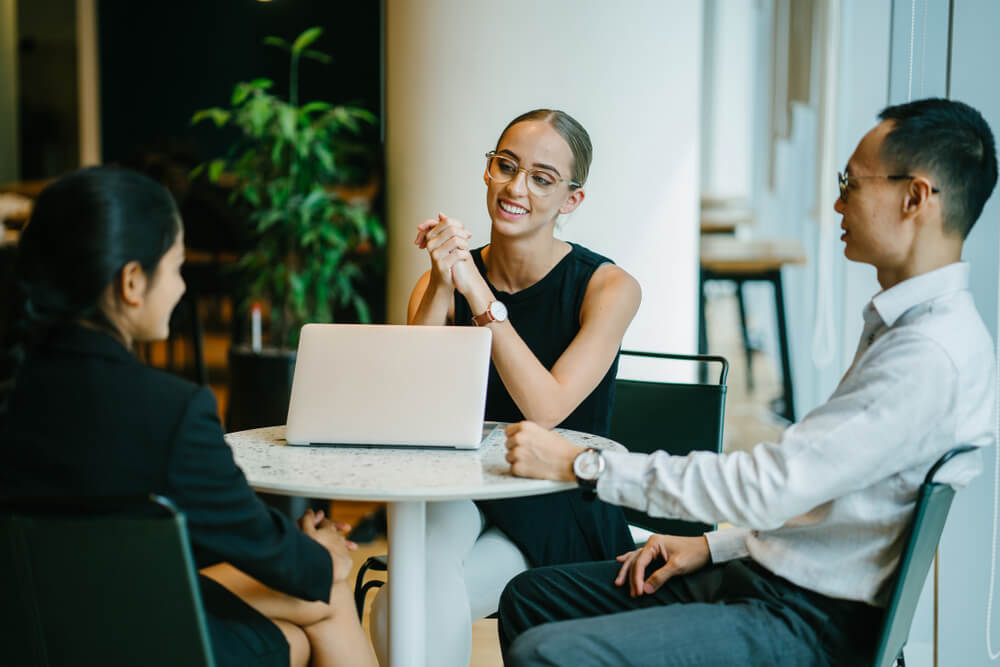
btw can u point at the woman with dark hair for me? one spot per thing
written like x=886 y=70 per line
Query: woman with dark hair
x=98 y=270
x=558 y=312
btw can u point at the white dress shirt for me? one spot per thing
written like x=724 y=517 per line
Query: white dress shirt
x=826 y=506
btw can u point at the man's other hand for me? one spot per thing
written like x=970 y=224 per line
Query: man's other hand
x=681 y=555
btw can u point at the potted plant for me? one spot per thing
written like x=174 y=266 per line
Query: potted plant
x=311 y=246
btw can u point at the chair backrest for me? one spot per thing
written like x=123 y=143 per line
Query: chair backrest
x=674 y=417
x=99 y=582
x=933 y=503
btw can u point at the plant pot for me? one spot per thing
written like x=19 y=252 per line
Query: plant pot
x=260 y=386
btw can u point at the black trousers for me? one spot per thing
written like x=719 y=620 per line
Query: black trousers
x=735 y=613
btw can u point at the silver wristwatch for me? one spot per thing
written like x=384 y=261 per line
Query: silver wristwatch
x=588 y=466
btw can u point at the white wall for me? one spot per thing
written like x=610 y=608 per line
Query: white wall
x=10 y=156
x=727 y=98
x=918 y=69
x=458 y=71
x=965 y=551
x=790 y=209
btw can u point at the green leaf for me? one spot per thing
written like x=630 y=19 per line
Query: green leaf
x=298 y=289
x=318 y=56
x=286 y=120
x=251 y=195
x=268 y=219
x=260 y=110
x=277 y=41
x=377 y=231
x=361 y=308
x=243 y=90
x=219 y=116
x=215 y=168
x=306 y=38
x=364 y=115
x=325 y=157
x=346 y=119
x=240 y=92
x=196 y=172
x=315 y=106
x=316 y=196
x=276 y=151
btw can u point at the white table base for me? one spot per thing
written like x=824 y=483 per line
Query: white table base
x=407 y=523
x=405 y=478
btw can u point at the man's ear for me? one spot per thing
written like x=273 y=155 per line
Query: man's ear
x=574 y=200
x=131 y=284
x=918 y=193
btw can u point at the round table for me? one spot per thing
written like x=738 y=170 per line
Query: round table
x=407 y=479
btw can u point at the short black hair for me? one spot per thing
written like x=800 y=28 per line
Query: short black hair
x=953 y=143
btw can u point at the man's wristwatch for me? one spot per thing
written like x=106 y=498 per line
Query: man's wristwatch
x=495 y=312
x=588 y=466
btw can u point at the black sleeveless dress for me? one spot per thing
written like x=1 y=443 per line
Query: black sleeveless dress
x=559 y=527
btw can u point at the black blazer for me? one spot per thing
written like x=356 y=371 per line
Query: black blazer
x=87 y=418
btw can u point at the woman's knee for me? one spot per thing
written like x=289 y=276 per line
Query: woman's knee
x=299 y=651
x=452 y=529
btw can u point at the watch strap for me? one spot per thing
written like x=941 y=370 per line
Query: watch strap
x=484 y=318
x=587 y=486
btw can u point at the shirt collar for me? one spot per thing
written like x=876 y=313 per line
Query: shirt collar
x=890 y=304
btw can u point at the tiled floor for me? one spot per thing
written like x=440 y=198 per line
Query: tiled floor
x=747 y=422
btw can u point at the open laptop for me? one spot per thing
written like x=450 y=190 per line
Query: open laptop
x=405 y=386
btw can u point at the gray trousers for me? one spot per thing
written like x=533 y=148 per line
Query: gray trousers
x=735 y=613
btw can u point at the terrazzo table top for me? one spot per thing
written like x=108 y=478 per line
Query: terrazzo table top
x=389 y=474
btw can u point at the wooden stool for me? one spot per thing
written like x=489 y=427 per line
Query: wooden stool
x=740 y=261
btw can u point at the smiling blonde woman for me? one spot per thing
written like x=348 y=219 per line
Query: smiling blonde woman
x=558 y=312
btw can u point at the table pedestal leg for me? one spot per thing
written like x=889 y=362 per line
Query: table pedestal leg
x=407 y=571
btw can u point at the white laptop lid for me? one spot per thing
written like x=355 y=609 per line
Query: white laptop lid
x=389 y=385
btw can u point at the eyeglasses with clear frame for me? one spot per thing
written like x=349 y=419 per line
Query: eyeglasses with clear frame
x=844 y=181
x=541 y=182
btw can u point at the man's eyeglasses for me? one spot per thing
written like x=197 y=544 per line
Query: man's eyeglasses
x=541 y=182
x=844 y=181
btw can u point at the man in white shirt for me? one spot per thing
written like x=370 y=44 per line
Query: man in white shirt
x=820 y=515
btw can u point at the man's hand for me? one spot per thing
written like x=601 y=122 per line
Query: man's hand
x=328 y=533
x=681 y=555
x=533 y=451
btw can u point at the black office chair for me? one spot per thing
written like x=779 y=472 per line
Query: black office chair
x=933 y=503
x=678 y=418
x=107 y=582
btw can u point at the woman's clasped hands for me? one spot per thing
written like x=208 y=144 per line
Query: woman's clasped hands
x=331 y=535
x=447 y=242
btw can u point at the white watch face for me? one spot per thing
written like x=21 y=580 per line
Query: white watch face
x=588 y=465
x=498 y=310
